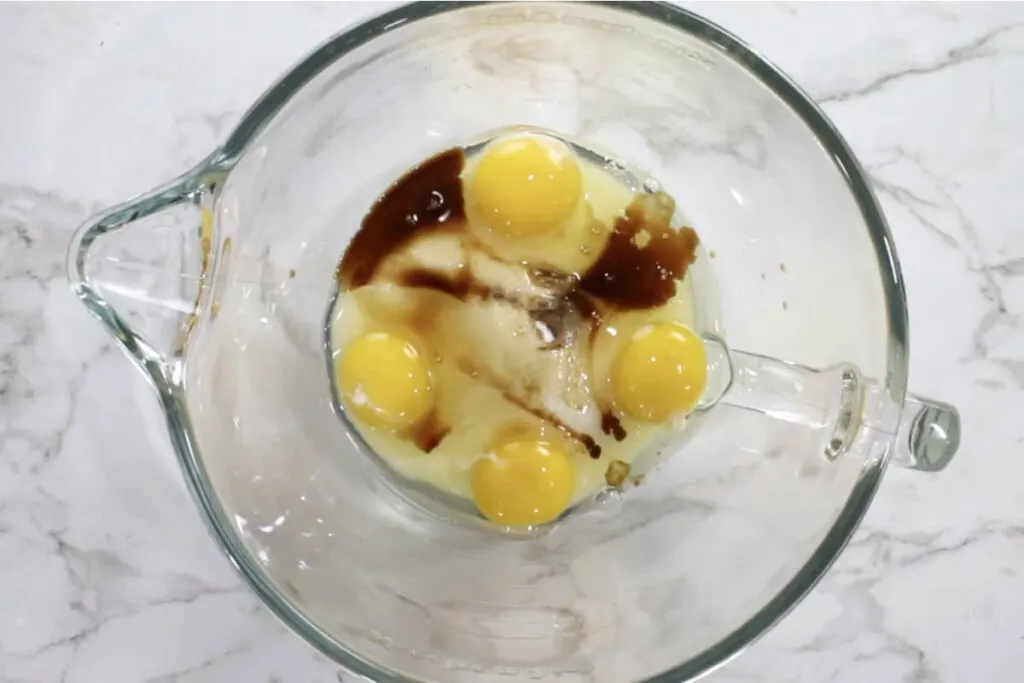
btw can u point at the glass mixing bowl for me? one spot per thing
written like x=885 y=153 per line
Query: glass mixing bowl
x=217 y=285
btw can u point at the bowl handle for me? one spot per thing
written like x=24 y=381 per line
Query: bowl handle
x=140 y=261
x=928 y=436
x=843 y=404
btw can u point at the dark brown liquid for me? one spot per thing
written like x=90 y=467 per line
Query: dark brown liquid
x=612 y=425
x=644 y=259
x=462 y=286
x=425 y=198
x=639 y=268
x=458 y=287
x=429 y=433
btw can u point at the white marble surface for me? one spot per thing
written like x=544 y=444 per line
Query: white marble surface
x=107 y=572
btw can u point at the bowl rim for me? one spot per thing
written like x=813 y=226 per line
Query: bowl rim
x=256 y=119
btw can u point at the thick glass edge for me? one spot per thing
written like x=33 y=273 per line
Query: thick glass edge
x=864 y=489
x=181 y=189
x=277 y=95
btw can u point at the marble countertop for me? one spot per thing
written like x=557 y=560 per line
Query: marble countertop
x=108 y=572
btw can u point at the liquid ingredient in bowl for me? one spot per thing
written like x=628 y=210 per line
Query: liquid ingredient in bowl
x=645 y=257
x=426 y=198
x=528 y=278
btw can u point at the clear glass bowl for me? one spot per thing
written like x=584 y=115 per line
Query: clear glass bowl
x=660 y=583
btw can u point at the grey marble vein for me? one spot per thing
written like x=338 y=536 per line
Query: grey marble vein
x=977 y=48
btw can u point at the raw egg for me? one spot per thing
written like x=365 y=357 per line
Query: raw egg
x=557 y=215
x=523 y=483
x=385 y=381
x=526 y=185
x=660 y=373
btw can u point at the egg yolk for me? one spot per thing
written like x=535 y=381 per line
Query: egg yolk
x=523 y=483
x=385 y=381
x=526 y=186
x=661 y=372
